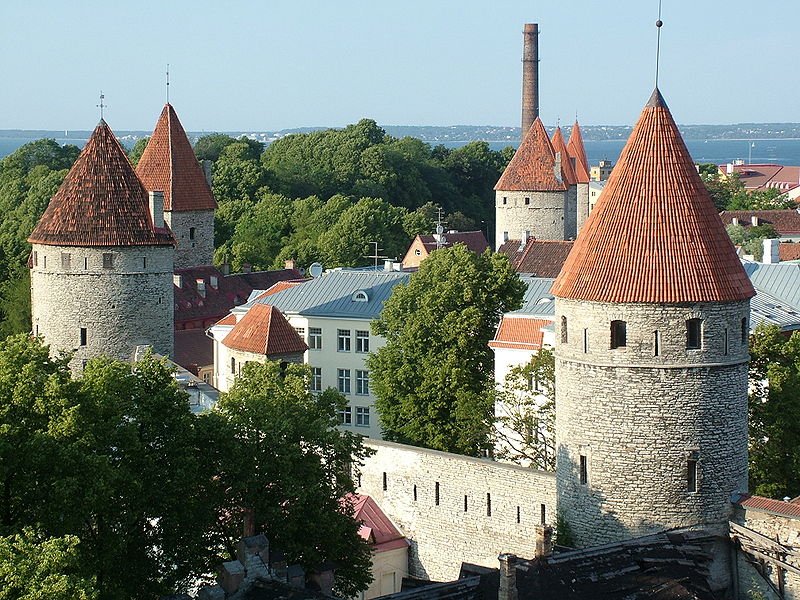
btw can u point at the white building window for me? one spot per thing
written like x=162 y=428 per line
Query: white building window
x=301 y=331
x=315 y=338
x=362 y=416
x=362 y=341
x=343 y=340
x=343 y=377
x=362 y=383
x=316 y=379
x=345 y=416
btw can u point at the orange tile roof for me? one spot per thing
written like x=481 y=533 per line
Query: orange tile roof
x=654 y=235
x=473 y=240
x=566 y=163
x=577 y=151
x=101 y=202
x=229 y=319
x=778 y=507
x=785 y=221
x=532 y=169
x=540 y=258
x=264 y=330
x=520 y=333
x=169 y=164
x=789 y=251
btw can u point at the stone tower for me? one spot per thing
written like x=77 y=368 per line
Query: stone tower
x=577 y=156
x=169 y=164
x=652 y=311
x=533 y=197
x=102 y=260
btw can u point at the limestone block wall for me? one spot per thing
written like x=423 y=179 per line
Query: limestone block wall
x=639 y=416
x=582 y=196
x=786 y=531
x=571 y=213
x=539 y=213
x=199 y=250
x=455 y=508
x=119 y=306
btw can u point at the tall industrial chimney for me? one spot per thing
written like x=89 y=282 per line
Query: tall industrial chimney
x=530 y=76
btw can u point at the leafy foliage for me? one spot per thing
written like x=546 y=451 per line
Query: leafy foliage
x=135 y=153
x=751 y=239
x=434 y=376
x=774 y=413
x=728 y=192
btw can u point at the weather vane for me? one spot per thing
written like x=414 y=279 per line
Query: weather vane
x=101 y=106
x=659 y=23
x=167 y=83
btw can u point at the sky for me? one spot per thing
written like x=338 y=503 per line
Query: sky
x=261 y=65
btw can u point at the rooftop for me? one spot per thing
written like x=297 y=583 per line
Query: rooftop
x=376 y=528
x=520 y=332
x=577 y=151
x=786 y=222
x=474 y=240
x=764 y=176
x=264 y=330
x=539 y=258
x=538 y=299
x=533 y=166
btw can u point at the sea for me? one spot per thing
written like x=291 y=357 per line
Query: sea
x=756 y=151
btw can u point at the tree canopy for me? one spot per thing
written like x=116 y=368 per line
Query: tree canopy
x=434 y=378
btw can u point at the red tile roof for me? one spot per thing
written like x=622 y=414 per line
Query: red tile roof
x=786 y=222
x=264 y=330
x=169 y=164
x=540 y=258
x=759 y=177
x=532 y=169
x=654 y=235
x=229 y=319
x=473 y=240
x=789 y=251
x=566 y=163
x=376 y=528
x=778 y=507
x=577 y=151
x=193 y=349
x=521 y=333
x=101 y=202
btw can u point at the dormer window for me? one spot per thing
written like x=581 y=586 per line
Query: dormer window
x=360 y=296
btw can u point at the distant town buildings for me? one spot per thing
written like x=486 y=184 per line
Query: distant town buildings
x=785 y=179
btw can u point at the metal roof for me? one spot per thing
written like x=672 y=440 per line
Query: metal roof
x=767 y=309
x=537 y=300
x=779 y=280
x=333 y=294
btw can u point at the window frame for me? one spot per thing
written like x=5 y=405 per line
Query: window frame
x=315 y=338
x=362 y=382
x=343 y=381
x=362 y=416
x=344 y=340
x=108 y=260
x=694 y=329
x=619 y=334
x=345 y=415
x=316 y=379
x=362 y=341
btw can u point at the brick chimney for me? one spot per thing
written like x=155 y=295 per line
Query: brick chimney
x=530 y=76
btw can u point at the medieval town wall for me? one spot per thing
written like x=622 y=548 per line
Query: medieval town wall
x=197 y=251
x=541 y=214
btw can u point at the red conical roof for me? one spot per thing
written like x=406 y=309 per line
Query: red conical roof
x=170 y=165
x=532 y=169
x=577 y=151
x=101 y=202
x=566 y=164
x=655 y=235
x=264 y=330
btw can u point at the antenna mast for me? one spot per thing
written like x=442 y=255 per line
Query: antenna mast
x=167 y=83
x=439 y=236
x=376 y=255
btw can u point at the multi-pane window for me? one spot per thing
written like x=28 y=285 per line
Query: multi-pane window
x=343 y=377
x=343 y=340
x=694 y=329
x=315 y=338
x=301 y=331
x=108 y=260
x=362 y=416
x=362 y=341
x=362 y=382
x=619 y=334
x=346 y=416
x=316 y=379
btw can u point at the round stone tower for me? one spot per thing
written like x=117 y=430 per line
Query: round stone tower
x=652 y=311
x=102 y=261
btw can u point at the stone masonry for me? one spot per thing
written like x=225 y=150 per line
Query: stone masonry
x=544 y=215
x=197 y=250
x=640 y=417
x=455 y=508
x=119 y=306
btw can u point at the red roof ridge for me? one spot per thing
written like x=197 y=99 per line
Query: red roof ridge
x=168 y=163
x=654 y=236
x=101 y=202
x=264 y=330
x=532 y=168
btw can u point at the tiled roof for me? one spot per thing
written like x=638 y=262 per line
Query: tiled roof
x=376 y=528
x=786 y=222
x=101 y=202
x=540 y=258
x=193 y=349
x=473 y=240
x=519 y=332
x=777 y=507
x=229 y=319
x=789 y=251
x=577 y=151
x=532 y=169
x=264 y=330
x=760 y=177
x=566 y=164
x=169 y=164
x=654 y=235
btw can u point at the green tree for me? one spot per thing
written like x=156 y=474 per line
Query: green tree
x=209 y=147
x=34 y=567
x=774 y=413
x=136 y=152
x=434 y=376
x=768 y=199
x=259 y=238
x=290 y=469
x=15 y=305
x=751 y=239
x=525 y=426
x=721 y=188
x=238 y=174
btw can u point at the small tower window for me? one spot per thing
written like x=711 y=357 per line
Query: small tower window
x=505 y=200
x=108 y=260
x=519 y=514
x=619 y=334
x=466 y=505
x=233 y=366
x=543 y=513
x=656 y=343
x=725 y=342
x=488 y=504
x=35 y=258
x=745 y=331
x=144 y=262
x=436 y=494
x=415 y=493
x=527 y=201
x=191 y=233
x=691 y=475
x=85 y=263
x=694 y=329
x=584 y=470
x=505 y=236
x=44 y=261
x=84 y=336
x=385 y=481
x=585 y=340
x=564 y=336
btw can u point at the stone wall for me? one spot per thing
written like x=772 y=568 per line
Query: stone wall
x=192 y=252
x=786 y=531
x=483 y=508
x=582 y=195
x=120 y=307
x=543 y=216
x=638 y=418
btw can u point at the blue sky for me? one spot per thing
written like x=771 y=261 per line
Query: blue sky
x=261 y=65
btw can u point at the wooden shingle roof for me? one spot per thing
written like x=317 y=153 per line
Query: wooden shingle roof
x=264 y=330
x=101 y=202
x=532 y=169
x=168 y=163
x=655 y=235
